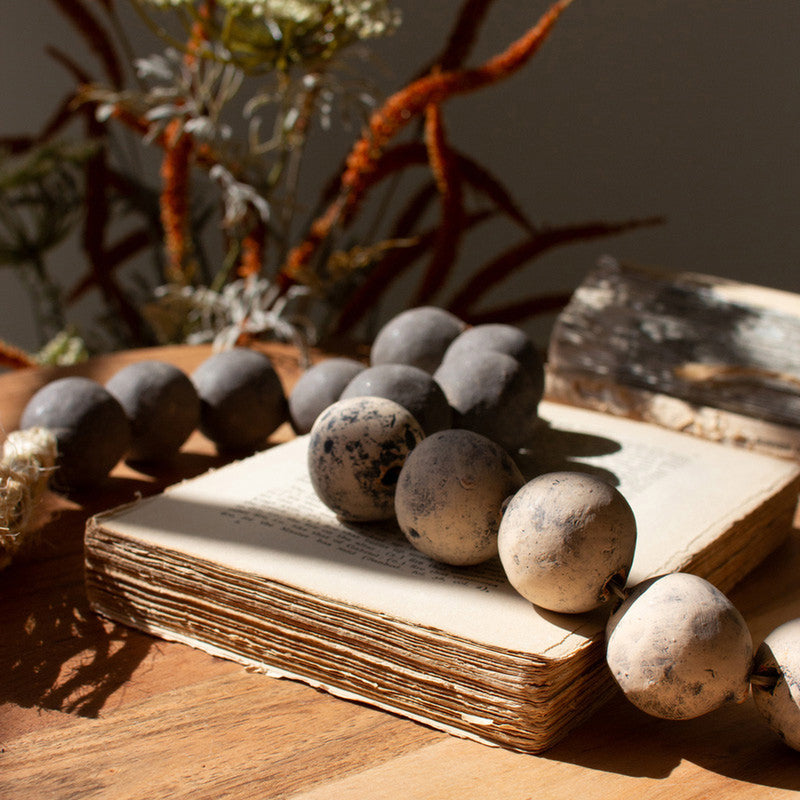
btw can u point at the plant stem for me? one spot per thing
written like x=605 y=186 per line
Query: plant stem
x=45 y=298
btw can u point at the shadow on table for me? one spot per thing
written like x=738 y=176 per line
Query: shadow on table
x=734 y=742
x=55 y=652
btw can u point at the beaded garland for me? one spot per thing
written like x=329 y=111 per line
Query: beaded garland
x=676 y=645
x=74 y=430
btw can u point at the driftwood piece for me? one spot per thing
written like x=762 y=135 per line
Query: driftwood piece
x=714 y=357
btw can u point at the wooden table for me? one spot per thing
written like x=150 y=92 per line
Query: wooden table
x=90 y=709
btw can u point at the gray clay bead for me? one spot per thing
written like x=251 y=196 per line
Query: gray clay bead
x=678 y=647
x=491 y=394
x=418 y=336
x=162 y=407
x=778 y=657
x=90 y=426
x=500 y=338
x=564 y=535
x=317 y=388
x=356 y=450
x=411 y=387
x=450 y=496
x=241 y=399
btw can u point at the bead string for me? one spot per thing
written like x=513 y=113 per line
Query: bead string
x=763 y=677
x=767 y=679
x=616 y=586
x=672 y=678
x=760 y=677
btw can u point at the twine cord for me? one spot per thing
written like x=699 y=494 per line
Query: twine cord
x=27 y=461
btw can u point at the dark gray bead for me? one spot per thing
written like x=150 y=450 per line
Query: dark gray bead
x=162 y=407
x=500 y=338
x=410 y=387
x=241 y=399
x=318 y=387
x=418 y=336
x=491 y=394
x=90 y=426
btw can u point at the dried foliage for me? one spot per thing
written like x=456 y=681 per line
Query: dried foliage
x=374 y=158
x=180 y=100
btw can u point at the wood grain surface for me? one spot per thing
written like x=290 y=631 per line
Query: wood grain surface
x=89 y=709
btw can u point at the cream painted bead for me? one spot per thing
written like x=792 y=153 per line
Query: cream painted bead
x=678 y=647
x=563 y=536
x=356 y=449
x=779 y=656
x=450 y=496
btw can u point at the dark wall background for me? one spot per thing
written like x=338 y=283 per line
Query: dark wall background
x=683 y=109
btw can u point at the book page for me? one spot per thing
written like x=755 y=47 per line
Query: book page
x=261 y=516
x=684 y=490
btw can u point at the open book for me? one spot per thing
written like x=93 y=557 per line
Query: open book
x=246 y=563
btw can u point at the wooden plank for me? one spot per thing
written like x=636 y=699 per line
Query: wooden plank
x=230 y=735
x=606 y=760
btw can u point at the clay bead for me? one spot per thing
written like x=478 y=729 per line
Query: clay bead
x=678 y=648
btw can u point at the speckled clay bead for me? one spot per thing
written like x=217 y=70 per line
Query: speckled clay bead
x=778 y=657
x=564 y=535
x=356 y=450
x=450 y=496
x=678 y=648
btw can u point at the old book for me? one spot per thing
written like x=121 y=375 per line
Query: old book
x=246 y=563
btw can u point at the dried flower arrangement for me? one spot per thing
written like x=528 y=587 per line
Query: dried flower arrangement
x=269 y=279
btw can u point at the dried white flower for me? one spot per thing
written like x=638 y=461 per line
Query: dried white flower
x=238 y=198
x=253 y=306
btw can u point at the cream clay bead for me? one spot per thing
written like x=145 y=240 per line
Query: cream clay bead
x=451 y=493
x=564 y=536
x=778 y=700
x=678 y=648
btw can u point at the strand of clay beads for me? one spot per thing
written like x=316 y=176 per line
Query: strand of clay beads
x=74 y=430
x=676 y=645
